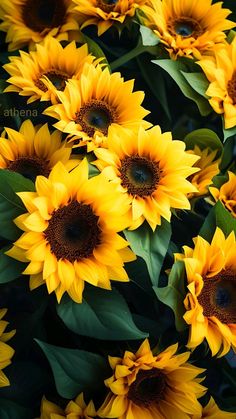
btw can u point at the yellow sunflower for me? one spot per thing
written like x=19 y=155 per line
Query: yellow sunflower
x=188 y=28
x=144 y=386
x=227 y=194
x=6 y=352
x=209 y=167
x=212 y=411
x=70 y=232
x=221 y=73
x=28 y=21
x=33 y=150
x=42 y=73
x=91 y=105
x=150 y=170
x=211 y=299
x=74 y=409
x=105 y=13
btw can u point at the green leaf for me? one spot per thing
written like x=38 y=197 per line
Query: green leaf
x=224 y=219
x=151 y=246
x=11 y=410
x=209 y=226
x=10 y=204
x=198 y=82
x=174 y=294
x=149 y=38
x=230 y=132
x=154 y=78
x=9 y=268
x=204 y=138
x=175 y=69
x=102 y=315
x=75 y=370
x=95 y=49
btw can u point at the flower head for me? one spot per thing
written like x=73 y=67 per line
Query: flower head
x=76 y=409
x=91 y=105
x=150 y=170
x=220 y=70
x=40 y=74
x=70 y=232
x=210 y=302
x=209 y=167
x=105 y=13
x=187 y=28
x=212 y=411
x=144 y=386
x=28 y=21
x=227 y=194
x=6 y=352
x=33 y=150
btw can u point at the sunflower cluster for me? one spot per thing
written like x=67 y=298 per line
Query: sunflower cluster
x=117 y=209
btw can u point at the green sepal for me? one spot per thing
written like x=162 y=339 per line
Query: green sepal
x=203 y=138
x=75 y=370
x=102 y=315
x=174 y=293
x=151 y=246
x=11 y=205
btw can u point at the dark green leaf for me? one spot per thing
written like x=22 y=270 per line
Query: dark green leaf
x=10 y=204
x=197 y=81
x=103 y=315
x=151 y=246
x=95 y=49
x=11 y=410
x=224 y=219
x=75 y=370
x=9 y=268
x=174 y=69
x=174 y=294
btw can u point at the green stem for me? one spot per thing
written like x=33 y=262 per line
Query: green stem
x=127 y=57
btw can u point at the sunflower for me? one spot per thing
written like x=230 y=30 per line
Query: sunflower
x=105 y=13
x=144 y=386
x=211 y=299
x=209 y=167
x=33 y=150
x=91 y=105
x=74 y=409
x=42 y=73
x=71 y=232
x=227 y=194
x=187 y=28
x=221 y=73
x=28 y=21
x=212 y=411
x=6 y=352
x=150 y=170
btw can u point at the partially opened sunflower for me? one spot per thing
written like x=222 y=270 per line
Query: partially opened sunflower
x=210 y=302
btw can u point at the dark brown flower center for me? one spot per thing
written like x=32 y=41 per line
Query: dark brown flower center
x=30 y=167
x=107 y=5
x=218 y=296
x=39 y=15
x=57 y=78
x=139 y=175
x=73 y=232
x=148 y=388
x=96 y=115
x=231 y=88
x=185 y=27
